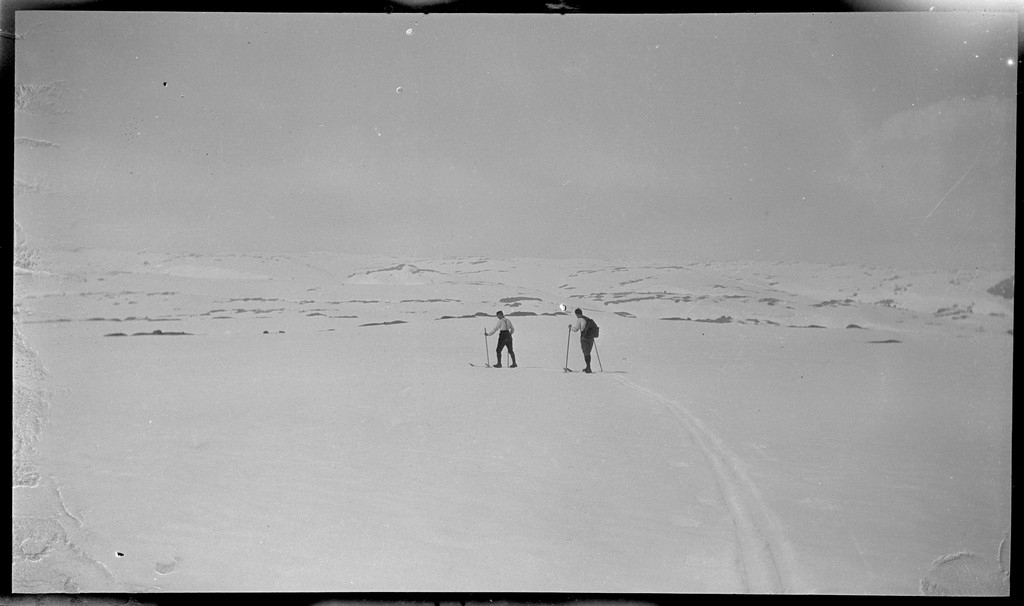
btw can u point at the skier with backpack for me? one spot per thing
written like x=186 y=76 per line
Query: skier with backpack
x=588 y=332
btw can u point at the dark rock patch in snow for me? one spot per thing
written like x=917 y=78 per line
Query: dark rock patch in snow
x=478 y=314
x=258 y=311
x=650 y=297
x=956 y=312
x=402 y=267
x=835 y=303
x=1004 y=289
x=517 y=300
x=627 y=282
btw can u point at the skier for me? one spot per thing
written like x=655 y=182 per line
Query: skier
x=506 y=329
x=586 y=343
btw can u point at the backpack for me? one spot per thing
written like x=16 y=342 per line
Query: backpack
x=590 y=330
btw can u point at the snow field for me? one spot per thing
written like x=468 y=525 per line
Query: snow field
x=313 y=462
x=321 y=428
x=873 y=460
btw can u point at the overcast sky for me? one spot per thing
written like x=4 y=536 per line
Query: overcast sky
x=879 y=138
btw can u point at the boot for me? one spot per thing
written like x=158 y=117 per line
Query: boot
x=513 y=356
x=586 y=359
x=498 y=363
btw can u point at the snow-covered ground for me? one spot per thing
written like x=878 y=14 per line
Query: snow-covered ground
x=313 y=423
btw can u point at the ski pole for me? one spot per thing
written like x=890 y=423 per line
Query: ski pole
x=487 y=349
x=567 y=339
x=599 y=365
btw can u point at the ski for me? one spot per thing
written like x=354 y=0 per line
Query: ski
x=479 y=366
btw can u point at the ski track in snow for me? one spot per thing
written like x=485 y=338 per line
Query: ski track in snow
x=766 y=562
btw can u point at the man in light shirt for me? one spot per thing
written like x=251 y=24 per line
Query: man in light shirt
x=504 y=329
